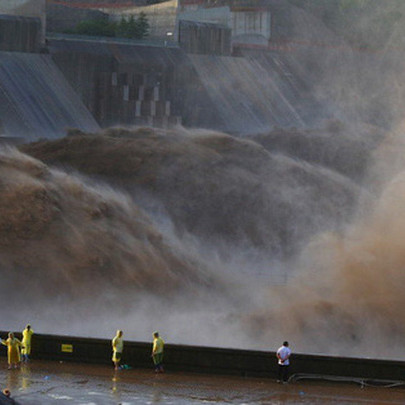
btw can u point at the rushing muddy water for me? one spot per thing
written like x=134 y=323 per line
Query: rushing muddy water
x=211 y=239
x=221 y=240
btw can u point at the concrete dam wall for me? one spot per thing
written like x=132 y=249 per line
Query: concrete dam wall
x=134 y=84
x=36 y=100
x=299 y=85
x=253 y=95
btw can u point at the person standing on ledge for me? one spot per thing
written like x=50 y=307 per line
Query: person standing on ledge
x=157 y=352
x=26 y=343
x=117 y=346
x=13 y=350
x=283 y=355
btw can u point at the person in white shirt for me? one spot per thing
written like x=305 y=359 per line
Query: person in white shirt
x=283 y=356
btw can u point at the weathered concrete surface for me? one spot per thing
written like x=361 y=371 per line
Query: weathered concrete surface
x=36 y=100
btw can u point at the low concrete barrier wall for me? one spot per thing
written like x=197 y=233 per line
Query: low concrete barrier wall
x=210 y=360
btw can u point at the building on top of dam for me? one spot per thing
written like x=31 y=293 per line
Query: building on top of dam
x=250 y=22
x=26 y=8
x=245 y=22
x=219 y=27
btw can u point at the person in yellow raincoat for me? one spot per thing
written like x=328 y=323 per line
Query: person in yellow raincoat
x=13 y=350
x=26 y=343
x=117 y=346
x=157 y=352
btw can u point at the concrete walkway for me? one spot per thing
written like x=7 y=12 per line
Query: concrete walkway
x=43 y=383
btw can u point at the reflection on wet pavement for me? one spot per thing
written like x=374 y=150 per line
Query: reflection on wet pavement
x=44 y=383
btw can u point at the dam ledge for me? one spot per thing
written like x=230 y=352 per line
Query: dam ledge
x=217 y=361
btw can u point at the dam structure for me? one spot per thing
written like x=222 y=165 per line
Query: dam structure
x=162 y=82
x=36 y=101
x=234 y=66
x=189 y=177
x=210 y=72
x=162 y=85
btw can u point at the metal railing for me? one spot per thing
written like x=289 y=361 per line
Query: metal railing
x=128 y=41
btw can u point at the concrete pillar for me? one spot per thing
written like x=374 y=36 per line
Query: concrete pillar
x=156 y=93
x=167 y=109
x=141 y=93
x=138 y=108
x=114 y=78
x=125 y=95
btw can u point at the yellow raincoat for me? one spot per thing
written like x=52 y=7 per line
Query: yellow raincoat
x=13 y=349
x=118 y=346
x=26 y=341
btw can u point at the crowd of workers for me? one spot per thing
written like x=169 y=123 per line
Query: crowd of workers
x=15 y=355
x=14 y=358
x=14 y=345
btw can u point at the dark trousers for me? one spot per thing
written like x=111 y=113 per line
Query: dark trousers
x=282 y=372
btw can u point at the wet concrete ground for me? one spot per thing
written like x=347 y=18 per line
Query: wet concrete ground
x=43 y=383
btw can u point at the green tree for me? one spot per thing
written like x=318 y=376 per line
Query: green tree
x=122 y=28
x=99 y=27
x=132 y=31
x=132 y=27
x=143 y=25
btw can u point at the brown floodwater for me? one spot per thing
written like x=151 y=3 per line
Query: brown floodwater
x=45 y=383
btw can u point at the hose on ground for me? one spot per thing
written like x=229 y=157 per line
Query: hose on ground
x=364 y=382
